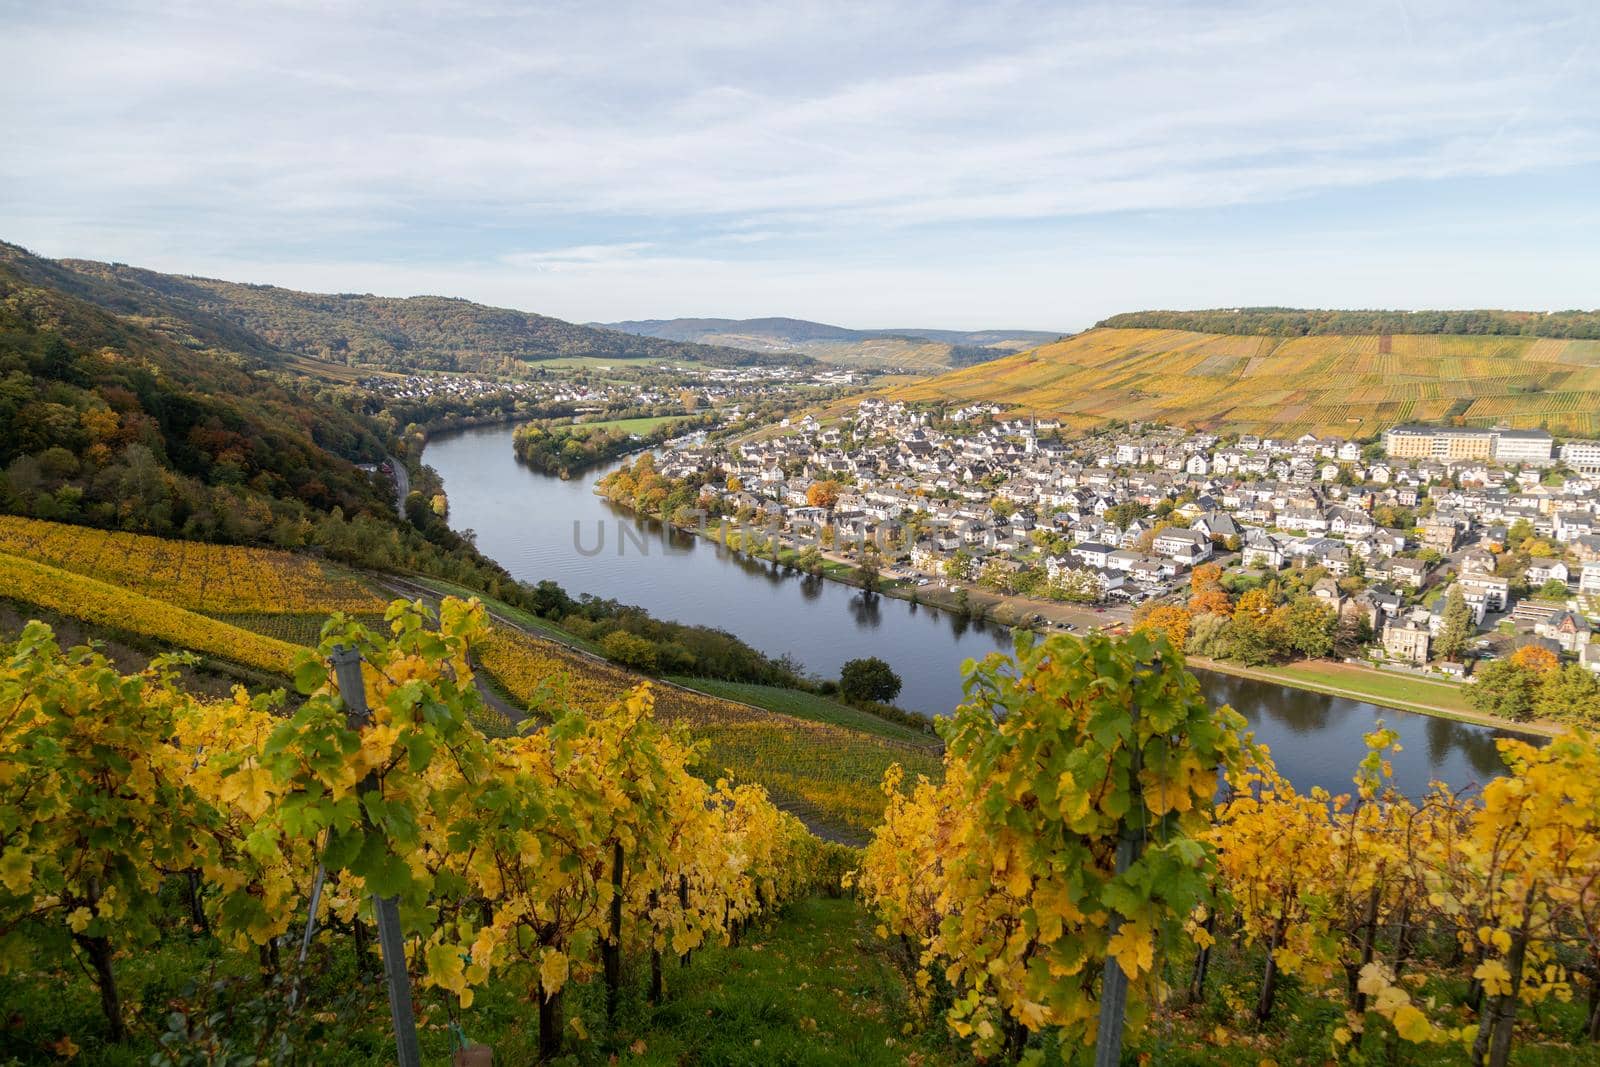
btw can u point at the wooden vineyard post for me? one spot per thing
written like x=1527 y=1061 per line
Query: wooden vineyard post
x=347 y=669
x=611 y=951
x=1114 y=980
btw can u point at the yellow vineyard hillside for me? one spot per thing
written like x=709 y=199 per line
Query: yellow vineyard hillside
x=823 y=772
x=1351 y=386
x=147 y=585
x=209 y=578
x=102 y=604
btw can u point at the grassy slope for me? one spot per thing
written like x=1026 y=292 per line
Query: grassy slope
x=808 y=706
x=1323 y=384
x=815 y=985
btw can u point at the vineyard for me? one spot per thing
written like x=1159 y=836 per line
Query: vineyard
x=1078 y=841
x=104 y=604
x=531 y=863
x=828 y=773
x=1074 y=877
x=203 y=577
x=1326 y=384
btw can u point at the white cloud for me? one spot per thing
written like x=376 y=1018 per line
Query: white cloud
x=694 y=139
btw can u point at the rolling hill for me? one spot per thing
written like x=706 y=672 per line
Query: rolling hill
x=1352 y=385
x=901 y=349
x=395 y=333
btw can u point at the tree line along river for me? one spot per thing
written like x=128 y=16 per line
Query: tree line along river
x=541 y=527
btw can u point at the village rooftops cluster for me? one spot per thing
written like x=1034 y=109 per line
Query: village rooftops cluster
x=668 y=384
x=1126 y=514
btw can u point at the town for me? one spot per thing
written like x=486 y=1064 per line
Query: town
x=1390 y=537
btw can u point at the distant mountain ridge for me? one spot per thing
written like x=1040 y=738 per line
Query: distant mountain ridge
x=400 y=333
x=910 y=347
x=1309 y=322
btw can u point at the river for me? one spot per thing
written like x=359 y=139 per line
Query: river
x=538 y=526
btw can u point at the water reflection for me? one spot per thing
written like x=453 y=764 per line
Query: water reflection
x=525 y=521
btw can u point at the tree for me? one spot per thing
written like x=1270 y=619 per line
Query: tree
x=1568 y=694
x=1119 y=515
x=823 y=494
x=1310 y=627
x=1554 y=589
x=958 y=568
x=869 y=679
x=630 y=650
x=1206 y=595
x=1504 y=689
x=1536 y=659
x=1456 y=628
x=1169 y=619
x=810 y=559
x=869 y=569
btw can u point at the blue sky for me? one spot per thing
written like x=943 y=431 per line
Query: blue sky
x=957 y=165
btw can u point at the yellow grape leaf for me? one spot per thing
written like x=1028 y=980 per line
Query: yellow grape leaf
x=447 y=969
x=79 y=919
x=1390 y=1000
x=16 y=870
x=248 y=788
x=1412 y=1025
x=1494 y=976
x=553 y=971
x=1373 y=980
x=1132 y=949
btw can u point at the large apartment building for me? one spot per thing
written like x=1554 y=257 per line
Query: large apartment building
x=1582 y=456
x=1451 y=443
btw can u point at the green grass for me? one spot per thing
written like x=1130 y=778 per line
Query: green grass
x=804 y=705
x=1382 y=686
x=812 y=986
x=640 y=426
x=526 y=619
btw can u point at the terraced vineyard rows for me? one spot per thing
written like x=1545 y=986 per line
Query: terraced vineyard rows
x=103 y=604
x=828 y=773
x=1328 y=385
x=258 y=608
x=204 y=577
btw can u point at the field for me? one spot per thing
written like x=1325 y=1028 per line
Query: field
x=1349 y=386
x=202 y=577
x=639 y=426
x=824 y=772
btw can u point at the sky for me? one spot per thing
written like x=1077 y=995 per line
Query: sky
x=962 y=165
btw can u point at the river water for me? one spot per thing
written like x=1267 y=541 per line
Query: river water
x=538 y=526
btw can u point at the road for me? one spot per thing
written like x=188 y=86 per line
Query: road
x=402 y=484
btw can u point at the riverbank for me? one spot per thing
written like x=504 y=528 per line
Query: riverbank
x=1443 y=700
x=1386 y=689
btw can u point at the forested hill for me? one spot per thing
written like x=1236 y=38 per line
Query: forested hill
x=1303 y=322
x=909 y=347
x=106 y=421
x=402 y=333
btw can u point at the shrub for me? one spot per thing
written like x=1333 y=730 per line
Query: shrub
x=869 y=679
x=622 y=647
